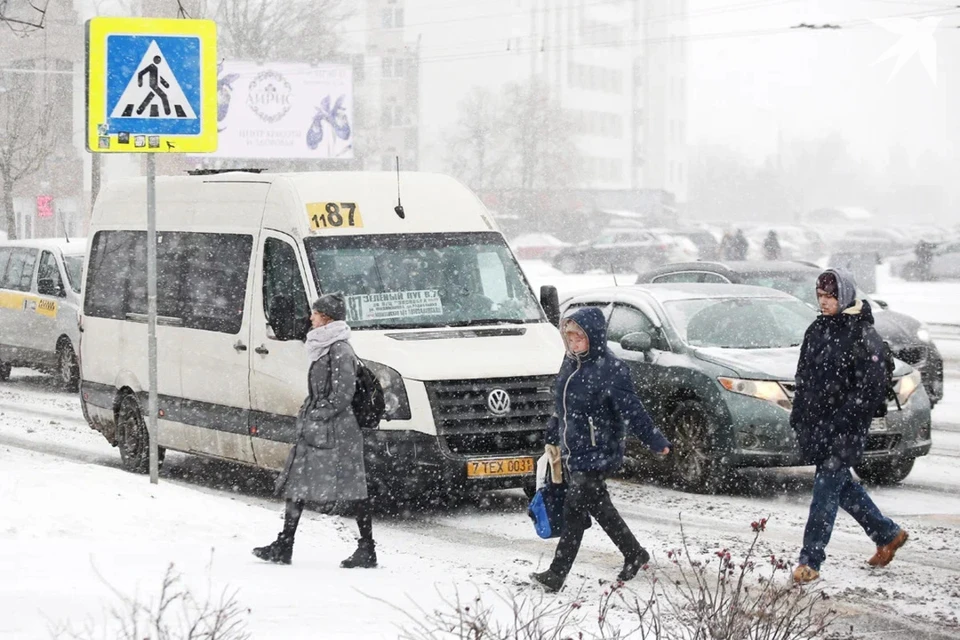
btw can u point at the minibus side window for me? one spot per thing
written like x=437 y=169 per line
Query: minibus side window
x=49 y=272
x=213 y=270
x=19 y=273
x=114 y=280
x=284 y=298
x=4 y=259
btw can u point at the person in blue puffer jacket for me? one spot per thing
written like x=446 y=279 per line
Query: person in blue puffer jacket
x=596 y=408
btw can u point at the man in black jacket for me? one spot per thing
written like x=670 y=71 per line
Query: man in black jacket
x=596 y=408
x=841 y=384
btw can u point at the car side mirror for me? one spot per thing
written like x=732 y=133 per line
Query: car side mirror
x=47 y=287
x=283 y=319
x=882 y=303
x=638 y=341
x=550 y=301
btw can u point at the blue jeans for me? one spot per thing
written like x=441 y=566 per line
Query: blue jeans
x=833 y=487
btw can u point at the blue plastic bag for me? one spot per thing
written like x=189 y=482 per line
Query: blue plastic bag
x=546 y=510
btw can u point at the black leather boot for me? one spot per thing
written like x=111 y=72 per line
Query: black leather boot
x=365 y=557
x=279 y=551
x=550 y=581
x=632 y=564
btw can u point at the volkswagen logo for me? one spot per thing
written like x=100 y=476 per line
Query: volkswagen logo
x=498 y=402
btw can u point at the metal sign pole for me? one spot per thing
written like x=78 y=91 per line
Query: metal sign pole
x=152 y=313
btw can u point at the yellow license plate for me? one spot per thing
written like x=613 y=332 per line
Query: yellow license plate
x=499 y=467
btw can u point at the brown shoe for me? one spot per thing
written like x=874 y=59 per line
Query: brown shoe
x=884 y=554
x=804 y=574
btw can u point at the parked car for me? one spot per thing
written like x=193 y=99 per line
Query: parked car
x=706 y=244
x=39 y=300
x=883 y=242
x=627 y=250
x=537 y=246
x=714 y=364
x=944 y=264
x=908 y=337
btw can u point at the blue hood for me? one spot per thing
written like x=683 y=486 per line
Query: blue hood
x=591 y=320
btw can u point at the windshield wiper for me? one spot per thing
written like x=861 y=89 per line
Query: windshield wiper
x=474 y=323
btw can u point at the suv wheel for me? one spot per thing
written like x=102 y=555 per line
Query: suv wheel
x=885 y=472
x=5 y=371
x=693 y=466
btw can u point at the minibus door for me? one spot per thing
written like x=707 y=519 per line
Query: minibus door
x=280 y=316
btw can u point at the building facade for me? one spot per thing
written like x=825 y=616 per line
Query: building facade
x=617 y=68
x=40 y=70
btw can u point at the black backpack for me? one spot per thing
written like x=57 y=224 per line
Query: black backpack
x=889 y=366
x=891 y=386
x=368 y=403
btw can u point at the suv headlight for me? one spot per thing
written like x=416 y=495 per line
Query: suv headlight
x=907 y=385
x=762 y=389
x=923 y=333
x=397 y=406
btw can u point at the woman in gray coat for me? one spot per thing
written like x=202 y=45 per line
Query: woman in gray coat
x=326 y=463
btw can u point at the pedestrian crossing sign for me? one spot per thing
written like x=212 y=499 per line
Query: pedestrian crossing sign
x=151 y=85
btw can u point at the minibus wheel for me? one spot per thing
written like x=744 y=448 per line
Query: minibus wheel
x=68 y=371
x=132 y=437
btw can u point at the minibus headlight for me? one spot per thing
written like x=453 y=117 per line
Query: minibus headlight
x=397 y=407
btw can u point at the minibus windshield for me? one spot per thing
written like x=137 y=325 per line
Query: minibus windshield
x=74 y=267
x=424 y=280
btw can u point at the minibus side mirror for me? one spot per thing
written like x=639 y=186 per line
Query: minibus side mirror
x=550 y=301
x=46 y=287
x=283 y=319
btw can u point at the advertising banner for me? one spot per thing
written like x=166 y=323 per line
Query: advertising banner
x=285 y=110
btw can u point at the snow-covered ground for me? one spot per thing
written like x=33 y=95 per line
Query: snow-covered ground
x=74 y=526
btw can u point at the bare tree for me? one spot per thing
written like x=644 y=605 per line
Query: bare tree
x=27 y=138
x=541 y=136
x=477 y=145
x=520 y=139
x=306 y=30
x=23 y=17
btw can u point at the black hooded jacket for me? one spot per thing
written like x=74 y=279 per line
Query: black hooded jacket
x=597 y=405
x=841 y=381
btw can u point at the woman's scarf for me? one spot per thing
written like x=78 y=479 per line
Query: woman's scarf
x=320 y=340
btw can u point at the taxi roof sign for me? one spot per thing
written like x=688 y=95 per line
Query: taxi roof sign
x=151 y=85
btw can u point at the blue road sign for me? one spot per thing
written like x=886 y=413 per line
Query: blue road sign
x=153 y=84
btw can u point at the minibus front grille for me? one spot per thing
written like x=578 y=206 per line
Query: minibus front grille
x=495 y=444
x=493 y=405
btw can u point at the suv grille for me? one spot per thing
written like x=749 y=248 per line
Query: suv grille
x=466 y=422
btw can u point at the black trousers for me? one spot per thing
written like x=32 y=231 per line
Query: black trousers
x=587 y=496
x=294 y=509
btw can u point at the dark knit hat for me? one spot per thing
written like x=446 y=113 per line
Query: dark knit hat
x=827 y=282
x=331 y=305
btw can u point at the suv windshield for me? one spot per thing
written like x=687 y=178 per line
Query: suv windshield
x=740 y=323
x=424 y=280
x=74 y=267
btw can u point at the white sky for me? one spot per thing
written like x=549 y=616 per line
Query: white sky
x=745 y=89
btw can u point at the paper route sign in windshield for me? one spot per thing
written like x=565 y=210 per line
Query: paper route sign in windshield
x=395 y=304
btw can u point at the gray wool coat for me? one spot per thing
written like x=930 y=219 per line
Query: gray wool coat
x=334 y=474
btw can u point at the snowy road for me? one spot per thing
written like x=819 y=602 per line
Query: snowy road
x=68 y=508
